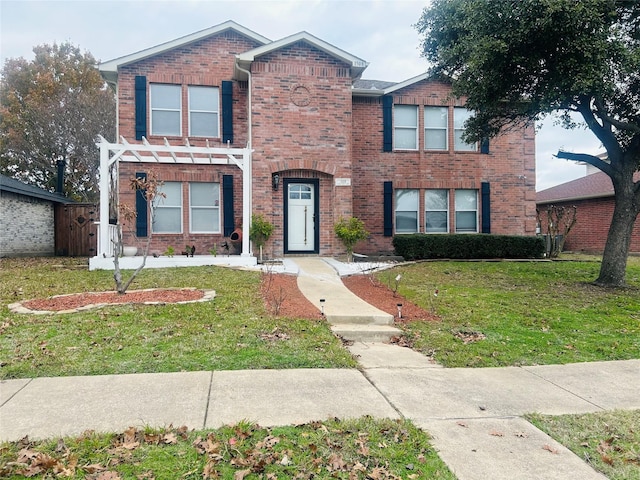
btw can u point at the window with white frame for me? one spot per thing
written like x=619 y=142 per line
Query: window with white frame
x=436 y=121
x=204 y=207
x=466 y=211
x=406 y=210
x=405 y=121
x=461 y=115
x=436 y=215
x=166 y=107
x=167 y=206
x=204 y=111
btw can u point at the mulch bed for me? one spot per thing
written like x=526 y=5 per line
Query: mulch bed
x=280 y=294
x=80 y=300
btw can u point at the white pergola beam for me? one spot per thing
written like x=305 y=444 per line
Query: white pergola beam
x=111 y=153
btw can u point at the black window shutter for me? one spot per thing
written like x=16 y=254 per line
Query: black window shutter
x=486 y=207
x=387 y=123
x=388 y=209
x=227 y=112
x=142 y=217
x=141 y=107
x=227 y=202
x=484 y=146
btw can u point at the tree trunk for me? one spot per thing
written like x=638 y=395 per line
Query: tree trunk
x=614 y=259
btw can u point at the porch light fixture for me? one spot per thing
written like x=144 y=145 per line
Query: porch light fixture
x=322 y=307
x=275 y=181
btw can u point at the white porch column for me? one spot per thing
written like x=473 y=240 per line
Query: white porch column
x=104 y=240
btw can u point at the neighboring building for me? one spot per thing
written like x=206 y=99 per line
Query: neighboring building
x=35 y=222
x=593 y=197
x=313 y=142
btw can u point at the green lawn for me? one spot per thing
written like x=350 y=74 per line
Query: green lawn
x=230 y=332
x=521 y=313
x=609 y=441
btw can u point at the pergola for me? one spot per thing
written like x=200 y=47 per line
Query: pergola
x=112 y=153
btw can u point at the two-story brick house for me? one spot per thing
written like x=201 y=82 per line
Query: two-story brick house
x=317 y=143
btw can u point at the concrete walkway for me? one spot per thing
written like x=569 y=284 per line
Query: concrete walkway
x=474 y=415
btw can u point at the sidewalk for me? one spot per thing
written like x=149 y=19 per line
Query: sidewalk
x=474 y=415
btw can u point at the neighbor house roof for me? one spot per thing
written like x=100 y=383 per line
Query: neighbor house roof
x=110 y=68
x=596 y=185
x=12 y=185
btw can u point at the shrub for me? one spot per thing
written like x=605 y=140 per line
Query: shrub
x=350 y=231
x=481 y=246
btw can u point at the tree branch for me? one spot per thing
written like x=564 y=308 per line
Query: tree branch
x=586 y=158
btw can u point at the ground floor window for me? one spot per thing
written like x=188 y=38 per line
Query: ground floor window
x=466 y=211
x=436 y=215
x=406 y=211
x=204 y=207
x=167 y=215
x=436 y=207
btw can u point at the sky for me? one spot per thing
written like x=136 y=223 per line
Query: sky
x=381 y=32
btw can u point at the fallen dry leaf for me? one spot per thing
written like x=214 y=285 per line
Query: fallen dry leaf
x=549 y=448
x=241 y=474
x=495 y=433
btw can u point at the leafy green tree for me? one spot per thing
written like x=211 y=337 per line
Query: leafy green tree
x=51 y=109
x=516 y=61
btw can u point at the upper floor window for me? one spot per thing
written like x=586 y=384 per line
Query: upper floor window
x=166 y=107
x=461 y=115
x=466 y=211
x=167 y=215
x=405 y=121
x=436 y=121
x=204 y=111
x=436 y=205
x=406 y=210
x=204 y=205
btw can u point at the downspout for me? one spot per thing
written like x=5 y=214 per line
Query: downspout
x=247 y=197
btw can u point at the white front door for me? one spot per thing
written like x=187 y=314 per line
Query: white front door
x=301 y=217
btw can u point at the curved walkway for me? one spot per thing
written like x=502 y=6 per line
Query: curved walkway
x=474 y=415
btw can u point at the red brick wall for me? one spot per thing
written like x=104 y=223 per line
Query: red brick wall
x=306 y=124
x=207 y=62
x=302 y=129
x=593 y=217
x=510 y=168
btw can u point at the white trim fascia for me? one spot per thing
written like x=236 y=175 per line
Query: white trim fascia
x=357 y=64
x=592 y=196
x=406 y=83
x=109 y=69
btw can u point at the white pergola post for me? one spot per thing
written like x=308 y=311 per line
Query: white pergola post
x=103 y=229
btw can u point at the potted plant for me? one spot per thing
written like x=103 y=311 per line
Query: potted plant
x=350 y=231
x=260 y=231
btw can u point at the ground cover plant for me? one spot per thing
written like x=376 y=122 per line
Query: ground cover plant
x=520 y=313
x=234 y=331
x=608 y=441
x=352 y=449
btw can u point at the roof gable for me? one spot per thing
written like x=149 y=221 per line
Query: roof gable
x=109 y=69
x=356 y=64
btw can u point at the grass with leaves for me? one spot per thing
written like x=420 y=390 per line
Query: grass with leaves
x=232 y=332
x=608 y=441
x=353 y=449
x=520 y=313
